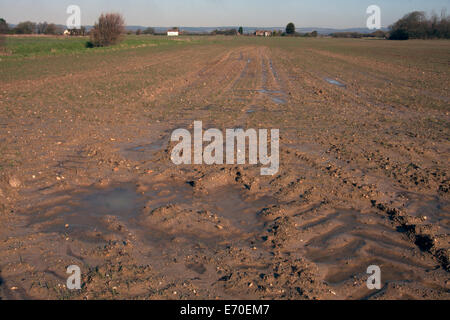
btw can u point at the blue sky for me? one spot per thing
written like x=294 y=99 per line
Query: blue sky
x=199 y=13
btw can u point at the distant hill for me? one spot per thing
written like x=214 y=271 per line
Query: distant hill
x=327 y=31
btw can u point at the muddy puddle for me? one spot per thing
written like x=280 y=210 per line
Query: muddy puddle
x=255 y=109
x=335 y=82
x=278 y=97
x=143 y=151
x=274 y=71
x=278 y=100
x=157 y=212
x=87 y=210
x=431 y=209
x=220 y=214
x=266 y=91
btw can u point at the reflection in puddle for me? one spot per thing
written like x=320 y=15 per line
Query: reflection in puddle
x=274 y=72
x=161 y=219
x=266 y=91
x=254 y=109
x=335 y=82
x=85 y=210
x=99 y=210
x=120 y=201
x=143 y=152
x=278 y=100
x=436 y=210
x=273 y=95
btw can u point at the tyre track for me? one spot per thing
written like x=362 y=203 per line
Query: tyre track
x=317 y=221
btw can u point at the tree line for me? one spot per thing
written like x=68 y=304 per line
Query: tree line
x=416 y=25
x=28 y=27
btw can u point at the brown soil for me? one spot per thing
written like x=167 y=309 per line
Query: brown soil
x=86 y=178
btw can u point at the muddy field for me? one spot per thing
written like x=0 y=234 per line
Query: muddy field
x=86 y=177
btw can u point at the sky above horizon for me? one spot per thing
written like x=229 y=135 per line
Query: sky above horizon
x=212 y=13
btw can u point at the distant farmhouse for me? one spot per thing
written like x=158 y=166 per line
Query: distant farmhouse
x=75 y=32
x=263 y=33
x=175 y=32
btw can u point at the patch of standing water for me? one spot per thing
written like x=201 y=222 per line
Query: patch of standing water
x=436 y=210
x=143 y=152
x=270 y=91
x=335 y=82
x=254 y=109
x=229 y=203
x=98 y=210
x=120 y=201
x=278 y=100
x=275 y=73
x=85 y=210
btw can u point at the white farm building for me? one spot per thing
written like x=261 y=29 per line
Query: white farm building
x=173 y=33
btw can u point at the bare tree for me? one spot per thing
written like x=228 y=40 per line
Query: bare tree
x=46 y=28
x=26 y=27
x=108 y=30
x=41 y=28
